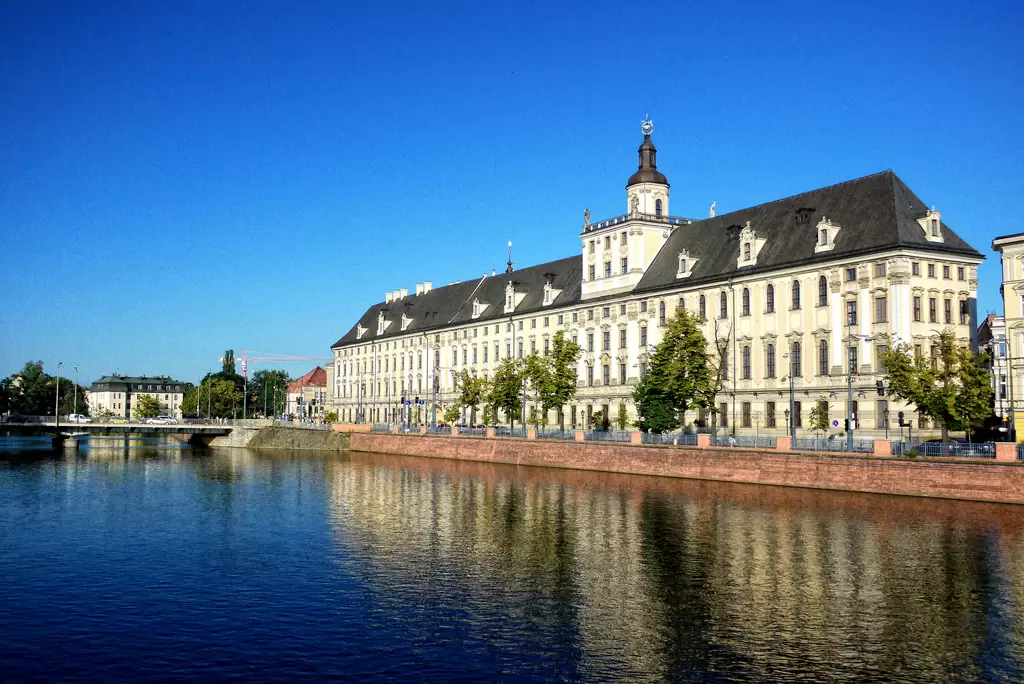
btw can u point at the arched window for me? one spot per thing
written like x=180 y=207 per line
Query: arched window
x=723 y=305
x=794 y=360
x=769 y=299
x=796 y=294
x=769 y=361
x=657 y=207
x=822 y=291
x=703 y=307
x=746 y=302
x=823 y=357
x=746 y=251
x=661 y=313
x=682 y=263
x=935 y=228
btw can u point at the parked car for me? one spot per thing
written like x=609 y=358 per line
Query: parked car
x=78 y=418
x=161 y=420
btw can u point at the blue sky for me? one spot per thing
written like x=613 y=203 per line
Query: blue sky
x=181 y=178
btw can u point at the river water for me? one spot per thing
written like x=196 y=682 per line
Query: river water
x=148 y=561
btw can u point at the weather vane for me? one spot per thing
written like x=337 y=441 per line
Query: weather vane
x=647 y=126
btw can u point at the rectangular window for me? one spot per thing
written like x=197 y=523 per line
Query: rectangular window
x=592 y=272
x=465 y=356
x=590 y=376
x=561 y=319
x=917 y=309
x=882 y=414
x=932 y=306
x=643 y=336
x=622 y=374
x=590 y=342
x=746 y=363
x=533 y=345
x=959 y=272
x=880 y=270
x=590 y=314
x=508 y=350
x=723 y=414
x=607 y=241
x=622 y=238
x=606 y=340
x=851 y=274
x=607 y=269
x=622 y=339
x=622 y=309
x=915 y=268
x=496 y=352
x=606 y=375
x=575 y=317
x=881 y=309
x=625 y=265
x=880 y=351
x=643 y=306
x=547 y=321
x=965 y=314
x=856 y=416
x=931 y=270
x=769 y=414
x=947 y=311
x=591 y=246
x=485 y=353
x=945 y=272
x=533 y=322
x=798 y=409
x=745 y=413
x=851 y=313
x=606 y=312
x=852 y=357
x=520 y=349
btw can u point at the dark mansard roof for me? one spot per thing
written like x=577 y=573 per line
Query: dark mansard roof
x=875 y=213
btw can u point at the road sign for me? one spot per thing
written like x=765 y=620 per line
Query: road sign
x=835 y=423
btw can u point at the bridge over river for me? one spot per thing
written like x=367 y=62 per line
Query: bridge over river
x=67 y=434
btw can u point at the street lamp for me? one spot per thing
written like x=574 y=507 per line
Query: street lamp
x=885 y=415
x=56 y=405
x=792 y=399
x=76 y=389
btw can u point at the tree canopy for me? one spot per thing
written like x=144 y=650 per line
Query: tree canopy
x=507 y=387
x=33 y=392
x=472 y=391
x=681 y=376
x=146 y=406
x=952 y=387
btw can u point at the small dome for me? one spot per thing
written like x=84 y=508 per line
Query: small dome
x=647 y=171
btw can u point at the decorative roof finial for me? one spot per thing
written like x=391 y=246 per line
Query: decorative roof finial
x=508 y=269
x=647 y=126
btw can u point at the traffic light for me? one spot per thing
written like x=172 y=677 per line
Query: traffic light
x=417 y=402
x=880 y=386
x=846 y=424
x=403 y=401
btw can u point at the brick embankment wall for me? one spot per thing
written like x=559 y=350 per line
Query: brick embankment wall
x=289 y=438
x=997 y=482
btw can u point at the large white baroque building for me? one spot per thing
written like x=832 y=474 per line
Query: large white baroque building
x=818 y=282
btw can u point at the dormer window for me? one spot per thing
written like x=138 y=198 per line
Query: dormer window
x=405 y=322
x=550 y=293
x=751 y=246
x=826 y=235
x=381 y=323
x=686 y=263
x=478 y=308
x=931 y=224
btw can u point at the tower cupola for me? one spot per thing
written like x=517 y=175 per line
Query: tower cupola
x=647 y=169
x=647 y=189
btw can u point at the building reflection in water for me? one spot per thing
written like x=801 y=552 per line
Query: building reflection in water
x=665 y=578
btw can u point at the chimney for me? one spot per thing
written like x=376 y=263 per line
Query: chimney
x=405 y=292
x=394 y=294
x=427 y=286
x=387 y=297
x=493 y=273
x=419 y=289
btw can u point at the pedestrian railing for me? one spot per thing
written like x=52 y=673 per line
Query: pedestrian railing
x=439 y=430
x=745 y=441
x=510 y=432
x=1020 y=452
x=473 y=431
x=606 y=436
x=567 y=435
x=862 y=446
x=946 y=449
x=380 y=427
x=674 y=438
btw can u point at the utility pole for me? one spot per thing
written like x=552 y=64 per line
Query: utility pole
x=76 y=389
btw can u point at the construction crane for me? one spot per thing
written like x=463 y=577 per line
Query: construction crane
x=268 y=358
x=265 y=357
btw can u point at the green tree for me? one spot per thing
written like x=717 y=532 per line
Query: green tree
x=32 y=390
x=952 y=388
x=559 y=380
x=267 y=388
x=818 y=418
x=146 y=406
x=506 y=388
x=451 y=414
x=681 y=375
x=623 y=418
x=599 y=421
x=472 y=391
x=228 y=364
x=331 y=417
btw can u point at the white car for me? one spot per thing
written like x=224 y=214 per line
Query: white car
x=78 y=418
x=161 y=420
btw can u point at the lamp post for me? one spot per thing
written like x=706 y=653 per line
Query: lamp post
x=56 y=405
x=209 y=395
x=885 y=415
x=735 y=359
x=76 y=389
x=792 y=399
x=851 y=316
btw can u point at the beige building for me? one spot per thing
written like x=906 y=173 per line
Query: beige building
x=1011 y=251
x=307 y=395
x=119 y=394
x=815 y=283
